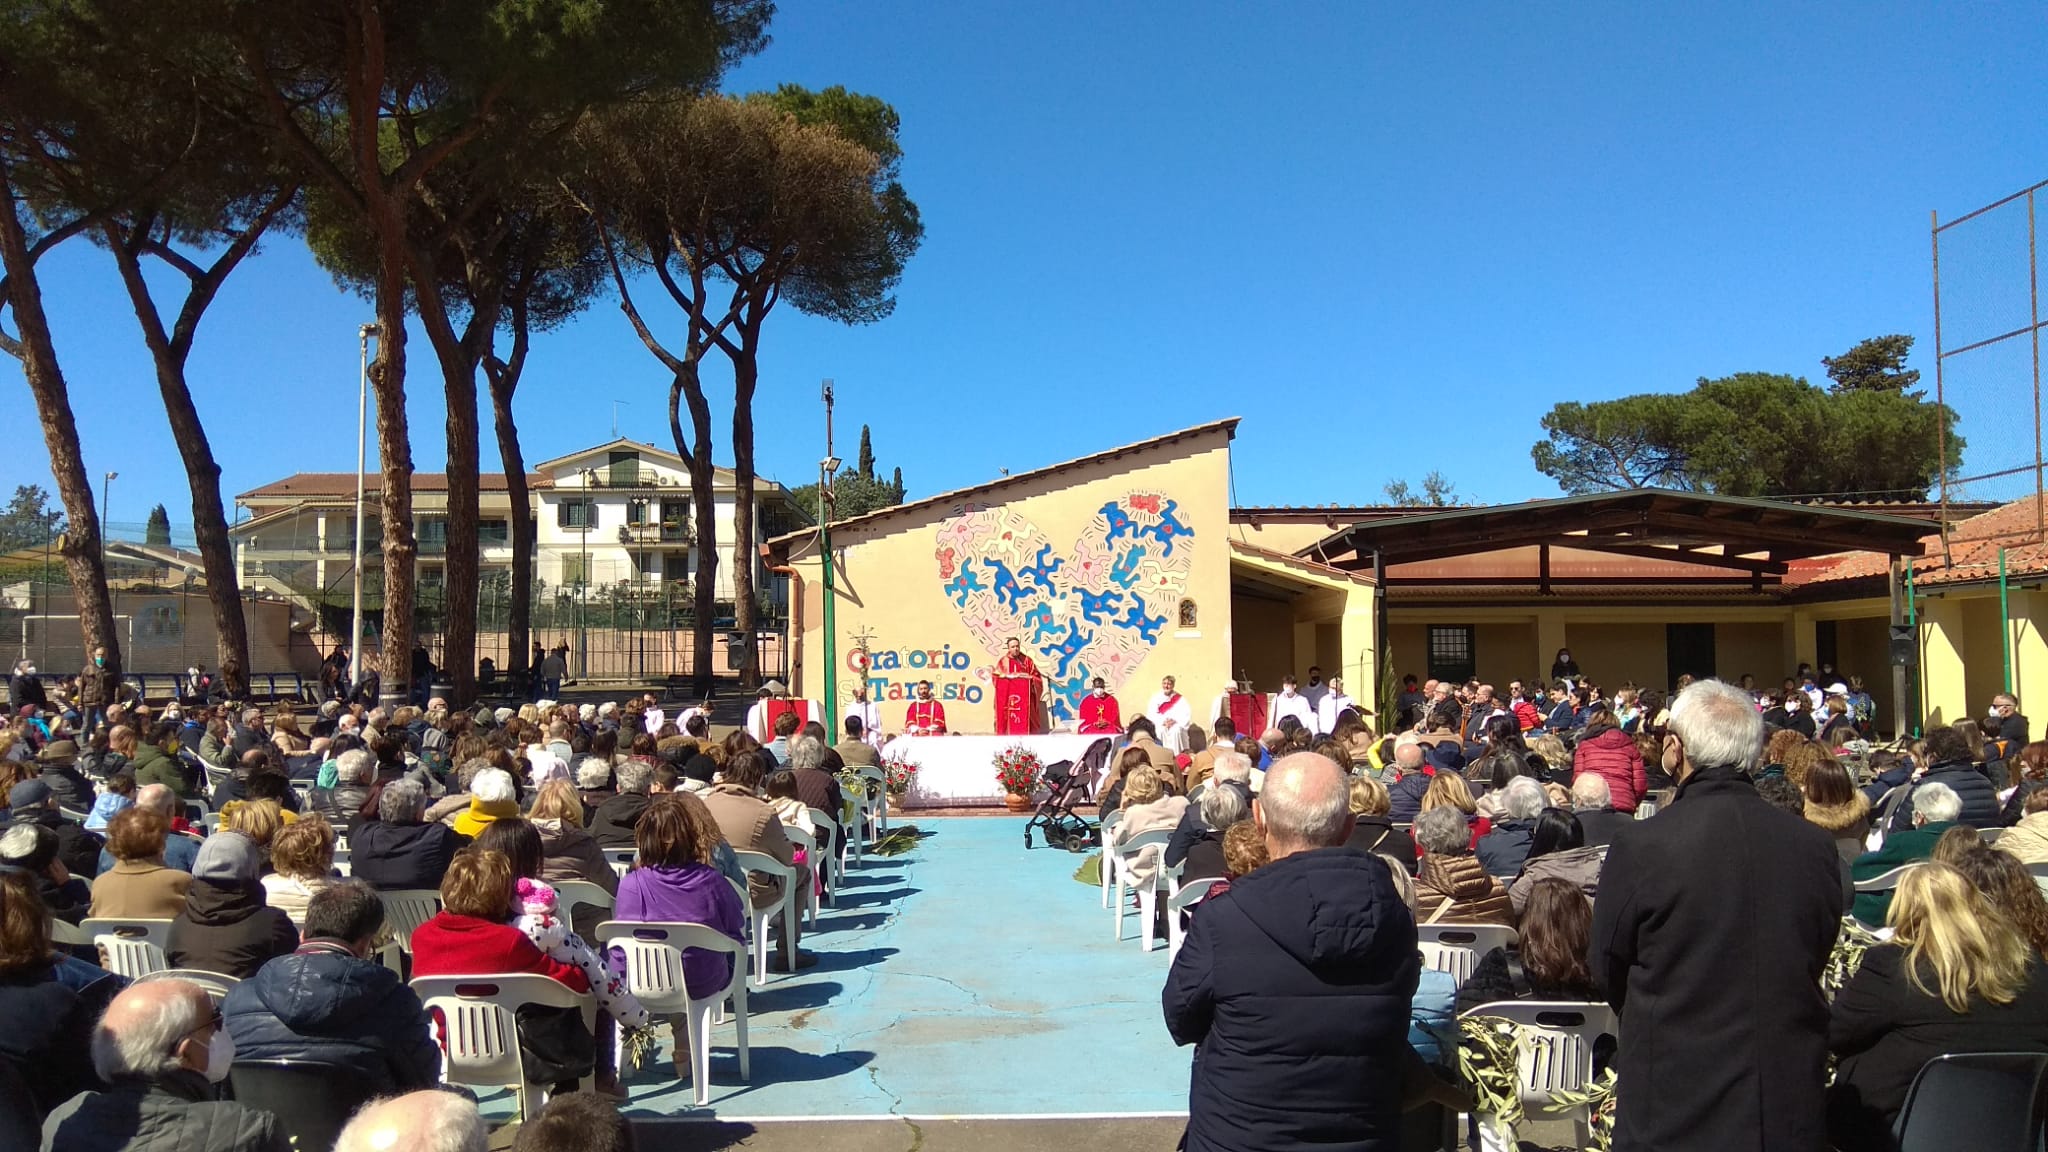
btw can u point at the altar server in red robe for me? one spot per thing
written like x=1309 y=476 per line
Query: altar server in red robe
x=925 y=716
x=1099 y=713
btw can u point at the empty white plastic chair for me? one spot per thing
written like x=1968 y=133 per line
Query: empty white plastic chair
x=1555 y=1055
x=1191 y=893
x=654 y=974
x=784 y=909
x=133 y=948
x=480 y=1028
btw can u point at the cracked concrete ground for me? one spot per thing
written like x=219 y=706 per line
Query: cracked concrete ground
x=967 y=978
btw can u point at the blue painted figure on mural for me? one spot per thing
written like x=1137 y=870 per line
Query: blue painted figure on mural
x=1006 y=586
x=1069 y=647
x=1168 y=527
x=1039 y=620
x=1066 y=694
x=963 y=585
x=1124 y=572
x=1147 y=627
x=1120 y=522
x=1041 y=573
x=1099 y=609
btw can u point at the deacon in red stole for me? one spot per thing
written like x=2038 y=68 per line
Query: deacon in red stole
x=925 y=716
x=1170 y=714
x=1019 y=689
x=1099 y=713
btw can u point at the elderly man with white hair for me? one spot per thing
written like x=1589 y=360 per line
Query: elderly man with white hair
x=1295 y=985
x=1936 y=809
x=429 y=1120
x=1409 y=782
x=1230 y=771
x=1714 y=920
x=402 y=849
x=161 y=1051
x=1502 y=850
x=353 y=772
x=1593 y=804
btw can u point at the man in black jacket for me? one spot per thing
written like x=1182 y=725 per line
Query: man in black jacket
x=1952 y=761
x=329 y=1004
x=33 y=802
x=1295 y=984
x=1713 y=922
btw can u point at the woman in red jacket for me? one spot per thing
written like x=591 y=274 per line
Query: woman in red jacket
x=1611 y=754
x=470 y=936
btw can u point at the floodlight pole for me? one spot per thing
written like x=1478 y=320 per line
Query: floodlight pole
x=355 y=630
x=826 y=468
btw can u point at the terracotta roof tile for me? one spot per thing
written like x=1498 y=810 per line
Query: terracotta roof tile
x=1972 y=552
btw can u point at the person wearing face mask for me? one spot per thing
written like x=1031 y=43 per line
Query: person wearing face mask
x=161 y=1050
x=1100 y=715
x=330 y=1004
x=25 y=688
x=1799 y=717
x=1564 y=667
x=97 y=686
x=1289 y=702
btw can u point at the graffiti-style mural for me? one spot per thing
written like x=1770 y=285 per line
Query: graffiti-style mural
x=1097 y=610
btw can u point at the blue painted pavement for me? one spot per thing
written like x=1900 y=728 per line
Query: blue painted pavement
x=966 y=977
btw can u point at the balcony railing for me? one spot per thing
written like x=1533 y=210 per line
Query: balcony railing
x=654 y=533
x=616 y=478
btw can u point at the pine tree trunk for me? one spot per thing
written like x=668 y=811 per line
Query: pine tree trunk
x=704 y=507
x=202 y=476
x=519 y=614
x=746 y=375
x=394 y=454
x=83 y=562
x=459 y=580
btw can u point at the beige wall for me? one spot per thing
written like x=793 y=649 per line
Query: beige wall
x=892 y=585
x=1751 y=647
x=1984 y=662
x=1262 y=640
x=1611 y=653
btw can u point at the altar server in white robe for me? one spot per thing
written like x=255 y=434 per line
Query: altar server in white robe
x=870 y=716
x=757 y=716
x=1287 y=702
x=1170 y=714
x=1331 y=706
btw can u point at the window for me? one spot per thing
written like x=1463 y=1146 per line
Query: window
x=433 y=534
x=1450 y=652
x=493 y=533
x=573 y=570
x=576 y=514
x=636 y=512
x=623 y=469
x=432 y=576
x=163 y=621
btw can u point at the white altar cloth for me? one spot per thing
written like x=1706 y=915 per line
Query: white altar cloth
x=961 y=769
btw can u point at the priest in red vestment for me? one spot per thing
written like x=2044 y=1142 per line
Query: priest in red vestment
x=925 y=716
x=1099 y=713
x=1019 y=691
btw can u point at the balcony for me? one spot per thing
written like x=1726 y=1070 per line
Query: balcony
x=621 y=477
x=671 y=533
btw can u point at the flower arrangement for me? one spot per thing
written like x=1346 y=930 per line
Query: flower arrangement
x=899 y=772
x=1018 y=770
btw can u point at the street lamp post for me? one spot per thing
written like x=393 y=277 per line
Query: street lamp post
x=355 y=631
x=826 y=467
x=106 y=511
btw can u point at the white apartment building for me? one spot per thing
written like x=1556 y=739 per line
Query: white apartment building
x=614 y=516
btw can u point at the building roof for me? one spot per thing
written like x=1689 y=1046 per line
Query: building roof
x=1971 y=554
x=1227 y=426
x=1756 y=535
x=623 y=443
x=333 y=485
x=1299 y=564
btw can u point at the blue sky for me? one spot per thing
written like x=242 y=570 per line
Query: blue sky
x=1389 y=237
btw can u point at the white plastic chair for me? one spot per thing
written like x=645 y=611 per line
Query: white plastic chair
x=1108 y=876
x=214 y=984
x=133 y=948
x=67 y=934
x=480 y=1031
x=1122 y=858
x=211 y=822
x=784 y=909
x=405 y=909
x=1990 y=835
x=1191 y=893
x=621 y=860
x=807 y=901
x=1456 y=948
x=341 y=861
x=572 y=894
x=874 y=808
x=1886 y=881
x=2040 y=874
x=834 y=862
x=654 y=974
x=1556 y=1055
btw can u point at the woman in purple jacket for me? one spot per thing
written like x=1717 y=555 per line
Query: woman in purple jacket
x=677 y=883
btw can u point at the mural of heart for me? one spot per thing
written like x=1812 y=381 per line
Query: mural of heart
x=1097 y=609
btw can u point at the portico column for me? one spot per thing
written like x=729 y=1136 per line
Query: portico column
x=1550 y=636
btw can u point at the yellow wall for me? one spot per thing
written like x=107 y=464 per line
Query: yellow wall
x=1984 y=663
x=1749 y=647
x=1611 y=653
x=1262 y=640
x=892 y=584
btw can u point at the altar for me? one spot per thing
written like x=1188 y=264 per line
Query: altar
x=960 y=770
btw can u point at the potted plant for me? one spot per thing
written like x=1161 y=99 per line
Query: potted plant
x=1018 y=770
x=899 y=772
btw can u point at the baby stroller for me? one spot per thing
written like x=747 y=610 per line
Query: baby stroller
x=1072 y=784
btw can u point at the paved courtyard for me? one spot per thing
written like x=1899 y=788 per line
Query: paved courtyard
x=964 y=980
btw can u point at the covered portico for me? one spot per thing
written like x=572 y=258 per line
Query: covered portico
x=1642 y=585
